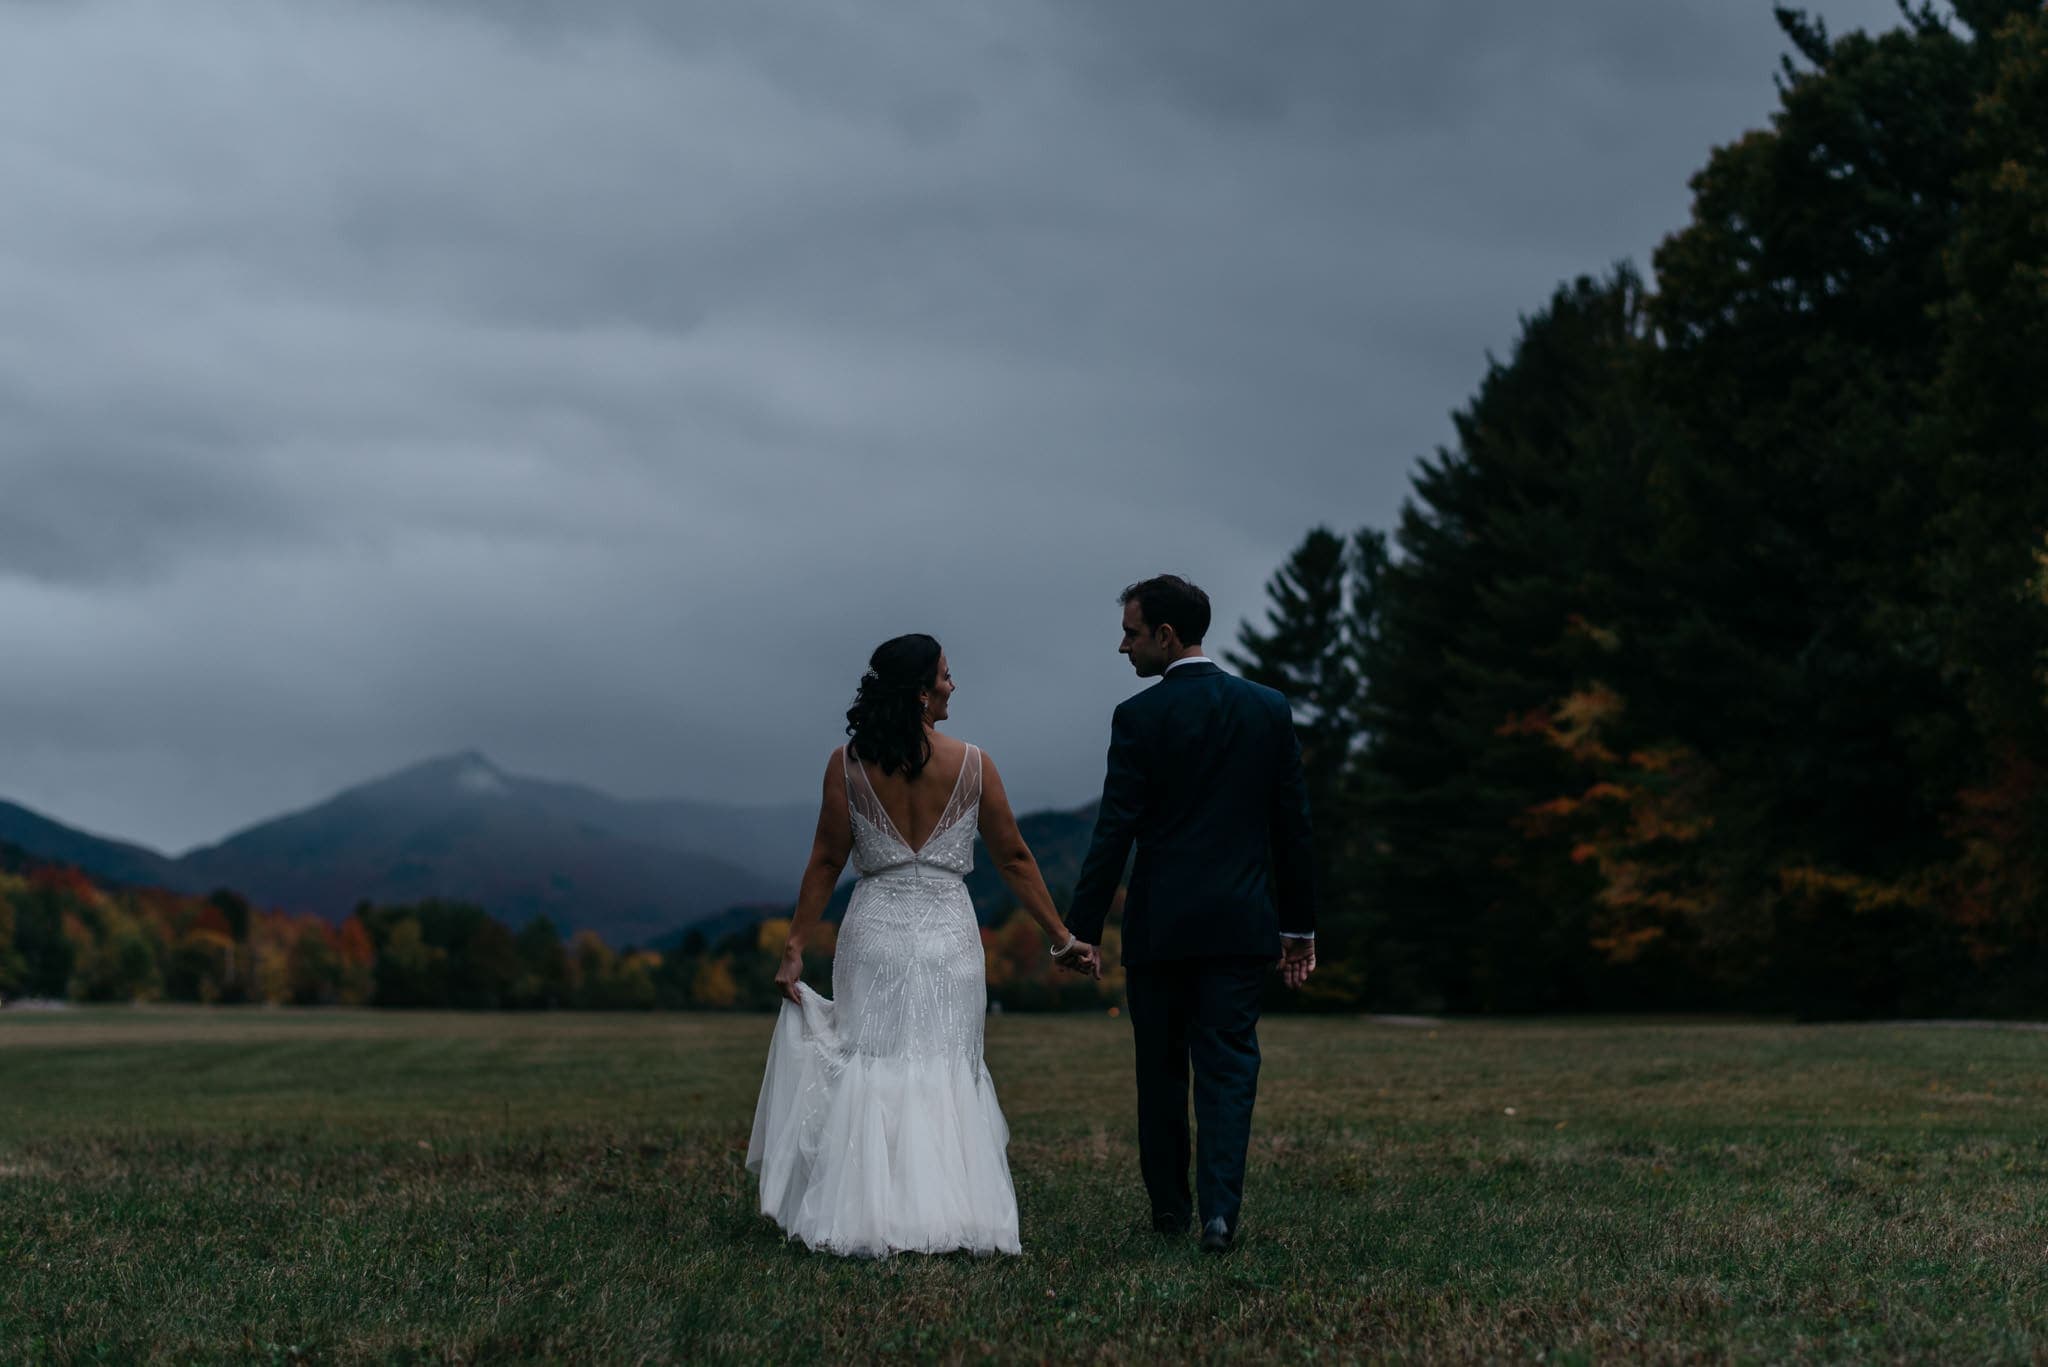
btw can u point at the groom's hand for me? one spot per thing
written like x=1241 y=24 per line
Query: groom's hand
x=1082 y=958
x=1297 y=961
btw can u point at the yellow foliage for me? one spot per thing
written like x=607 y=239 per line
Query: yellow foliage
x=1624 y=946
x=1862 y=894
x=773 y=935
x=1607 y=639
x=591 y=960
x=1576 y=719
x=273 y=971
x=714 y=984
x=209 y=941
x=1656 y=821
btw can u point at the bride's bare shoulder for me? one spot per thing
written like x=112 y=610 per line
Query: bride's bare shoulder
x=983 y=765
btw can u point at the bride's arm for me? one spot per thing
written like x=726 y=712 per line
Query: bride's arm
x=829 y=848
x=1013 y=857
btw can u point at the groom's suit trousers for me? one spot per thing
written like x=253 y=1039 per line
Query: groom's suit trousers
x=1202 y=1013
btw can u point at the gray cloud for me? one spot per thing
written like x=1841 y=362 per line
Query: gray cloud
x=594 y=383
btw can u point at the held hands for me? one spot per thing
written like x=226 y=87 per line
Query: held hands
x=1297 y=961
x=791 y=971
x=1080 y=958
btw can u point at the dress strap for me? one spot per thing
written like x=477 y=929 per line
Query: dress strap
x=861 y=796
x=966 y=796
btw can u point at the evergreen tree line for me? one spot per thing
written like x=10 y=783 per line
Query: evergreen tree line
x=1706 y=667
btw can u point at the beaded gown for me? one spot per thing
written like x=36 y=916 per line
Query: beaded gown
x=877 y=1129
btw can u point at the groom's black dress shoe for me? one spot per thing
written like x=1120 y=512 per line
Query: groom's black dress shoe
x=1171 y=1222
x=1216 y=1236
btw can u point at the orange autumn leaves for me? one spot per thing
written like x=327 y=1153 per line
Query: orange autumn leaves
x=101 y=944
x=1638 y=824
x=1637 y=808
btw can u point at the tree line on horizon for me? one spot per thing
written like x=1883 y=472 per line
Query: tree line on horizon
x=1706 y=668
x=64 y=936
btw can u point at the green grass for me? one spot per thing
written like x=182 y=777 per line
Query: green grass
x=181 y=1185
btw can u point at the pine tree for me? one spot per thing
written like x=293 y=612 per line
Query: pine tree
x=1308 y=649
x=1305 y=651
x=1482 y=619
x=1990 y=422
x=1798 y=316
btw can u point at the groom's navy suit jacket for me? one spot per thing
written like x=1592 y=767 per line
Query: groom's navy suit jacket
x=1205 y=778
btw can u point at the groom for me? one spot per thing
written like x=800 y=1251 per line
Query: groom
x=1205 y=779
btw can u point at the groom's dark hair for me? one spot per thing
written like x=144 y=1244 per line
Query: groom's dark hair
x=1167 y=600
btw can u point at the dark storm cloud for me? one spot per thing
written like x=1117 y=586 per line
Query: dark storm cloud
x=594 y=382
x=1374 y=67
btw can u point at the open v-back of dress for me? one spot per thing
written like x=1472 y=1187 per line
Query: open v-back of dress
x=877 y=1129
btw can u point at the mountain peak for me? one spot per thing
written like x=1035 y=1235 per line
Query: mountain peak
x=463 y=774
x=473 y=773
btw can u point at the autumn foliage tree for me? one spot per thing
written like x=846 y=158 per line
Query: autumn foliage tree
x=1706 y=667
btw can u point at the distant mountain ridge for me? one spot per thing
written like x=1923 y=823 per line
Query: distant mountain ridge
x=459 y=827
x=113 y=860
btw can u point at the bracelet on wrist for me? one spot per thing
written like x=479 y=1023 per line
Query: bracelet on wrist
x=1073 y=942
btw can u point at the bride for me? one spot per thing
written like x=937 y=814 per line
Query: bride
x=877 y=1130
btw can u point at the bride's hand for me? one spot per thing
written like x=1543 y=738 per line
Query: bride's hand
x=791 y=972
x=1085 y=959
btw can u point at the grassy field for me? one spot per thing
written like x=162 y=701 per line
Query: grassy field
x=180 y=1185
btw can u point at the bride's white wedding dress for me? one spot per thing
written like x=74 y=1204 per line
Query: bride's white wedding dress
x=877 y=1130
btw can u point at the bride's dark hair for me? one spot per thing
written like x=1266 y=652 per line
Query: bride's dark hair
x=886 y=720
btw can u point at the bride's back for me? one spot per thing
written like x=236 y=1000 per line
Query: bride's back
x=916 y=805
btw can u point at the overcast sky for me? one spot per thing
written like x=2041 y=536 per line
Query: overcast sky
x=595 y=382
